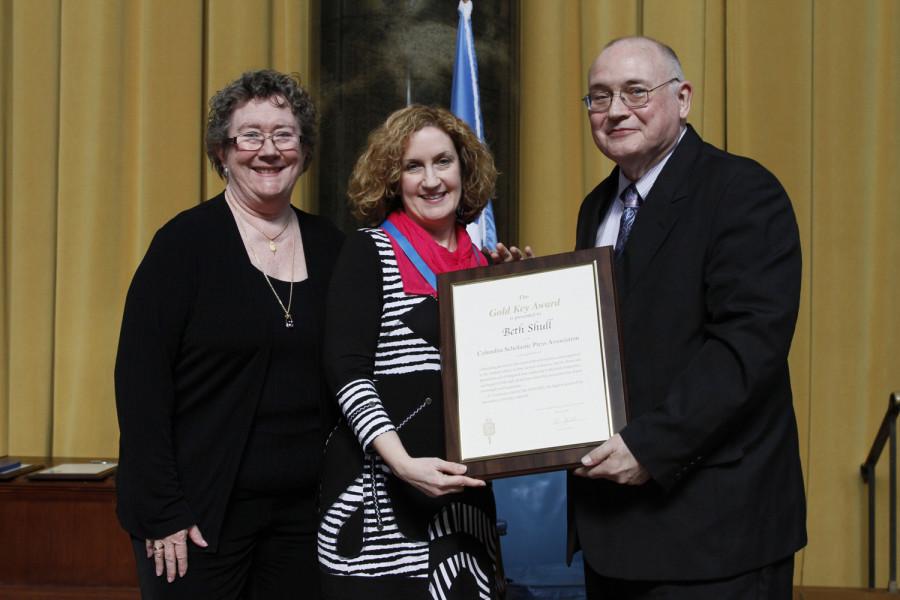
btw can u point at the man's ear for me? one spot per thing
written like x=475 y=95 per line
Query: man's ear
x=685 y=93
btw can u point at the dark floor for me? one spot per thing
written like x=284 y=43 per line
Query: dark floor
x=521 y=592
x=819 y=593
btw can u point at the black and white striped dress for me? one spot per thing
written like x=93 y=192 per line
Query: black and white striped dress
x=379 y=537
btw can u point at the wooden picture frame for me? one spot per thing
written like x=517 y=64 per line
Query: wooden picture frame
x=531 y=356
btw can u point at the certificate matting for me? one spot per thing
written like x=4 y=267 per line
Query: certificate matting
x=532 y=368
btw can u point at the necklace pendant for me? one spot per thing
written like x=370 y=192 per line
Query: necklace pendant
x=288 y=321
x=273 y=247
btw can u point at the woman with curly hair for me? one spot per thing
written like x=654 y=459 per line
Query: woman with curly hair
x=398 y=521
x=218 y=384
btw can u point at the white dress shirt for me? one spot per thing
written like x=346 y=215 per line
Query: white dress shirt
x=608 y=230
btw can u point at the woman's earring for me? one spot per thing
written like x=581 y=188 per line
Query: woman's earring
x=226 y=172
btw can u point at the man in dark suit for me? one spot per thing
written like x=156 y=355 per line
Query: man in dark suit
x=701 y=494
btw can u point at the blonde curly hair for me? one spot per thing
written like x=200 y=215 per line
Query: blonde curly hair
x=374 y=187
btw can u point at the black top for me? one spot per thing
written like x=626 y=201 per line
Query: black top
x=284 y=450
x=201 y=345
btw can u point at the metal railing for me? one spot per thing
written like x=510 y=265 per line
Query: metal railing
x=887 y=431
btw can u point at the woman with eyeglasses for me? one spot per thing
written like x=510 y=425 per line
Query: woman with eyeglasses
x=218 y=385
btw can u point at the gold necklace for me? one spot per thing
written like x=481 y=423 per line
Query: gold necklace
x=272 y=246
x=288 y=318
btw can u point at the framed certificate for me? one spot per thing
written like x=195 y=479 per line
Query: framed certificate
x=532 y=369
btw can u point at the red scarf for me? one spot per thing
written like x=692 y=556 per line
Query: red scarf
x=438 y=258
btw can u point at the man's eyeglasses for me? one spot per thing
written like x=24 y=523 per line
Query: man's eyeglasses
x=633 y=96
x=253 y=140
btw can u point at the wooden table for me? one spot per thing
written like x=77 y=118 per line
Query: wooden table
x=61 y=540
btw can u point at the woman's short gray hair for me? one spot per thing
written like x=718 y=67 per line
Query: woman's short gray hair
x=264 y=84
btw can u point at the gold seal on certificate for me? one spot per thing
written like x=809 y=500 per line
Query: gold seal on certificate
x=532 y=367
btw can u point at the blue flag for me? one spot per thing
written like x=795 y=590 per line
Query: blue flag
x=465 y=104
x=534 y=506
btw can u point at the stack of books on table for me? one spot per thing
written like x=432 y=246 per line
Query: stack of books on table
x=9 y=464
x=10 y=468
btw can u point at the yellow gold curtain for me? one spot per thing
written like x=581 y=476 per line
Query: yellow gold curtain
x=810 y=89
x=103 y=107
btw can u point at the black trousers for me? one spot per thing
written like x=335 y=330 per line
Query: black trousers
x=771 y=582
x=267 y=551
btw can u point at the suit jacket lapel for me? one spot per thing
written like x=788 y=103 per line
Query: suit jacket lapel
x=595 y=207
x=659 y=212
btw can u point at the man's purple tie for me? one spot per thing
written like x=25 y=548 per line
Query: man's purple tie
x=633 y=202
